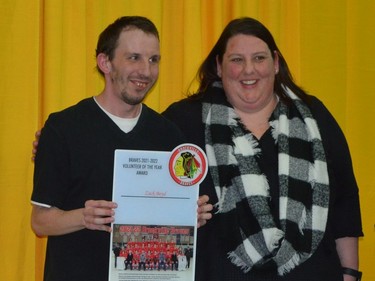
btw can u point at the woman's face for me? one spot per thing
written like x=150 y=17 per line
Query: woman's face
x=248 y=73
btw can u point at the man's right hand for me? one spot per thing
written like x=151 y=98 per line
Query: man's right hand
x=97 y=214
x=51 y=221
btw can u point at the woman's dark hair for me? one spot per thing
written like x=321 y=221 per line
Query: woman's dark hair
x=108 y=39
x=207 y=72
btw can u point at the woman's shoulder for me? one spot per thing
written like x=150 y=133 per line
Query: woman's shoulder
x=192 y=104
x=316 y=105
x=320 y=112
x=187 y=115
x=331 y=132
x=188 y=107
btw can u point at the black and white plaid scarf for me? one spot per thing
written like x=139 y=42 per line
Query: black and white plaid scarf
x=243 y=189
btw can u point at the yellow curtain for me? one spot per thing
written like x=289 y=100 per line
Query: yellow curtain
x=47 y=63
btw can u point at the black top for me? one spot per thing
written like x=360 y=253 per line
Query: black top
x=344 y=214
x=74 y=163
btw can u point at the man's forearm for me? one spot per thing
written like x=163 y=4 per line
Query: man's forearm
x=53 y=221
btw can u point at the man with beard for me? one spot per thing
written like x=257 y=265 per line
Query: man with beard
x=74 y=164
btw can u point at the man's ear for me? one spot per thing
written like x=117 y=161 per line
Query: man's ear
x=104 y=64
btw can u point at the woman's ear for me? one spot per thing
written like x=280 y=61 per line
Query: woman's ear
x=218 y=67
x=104 y=64
x=276 y=61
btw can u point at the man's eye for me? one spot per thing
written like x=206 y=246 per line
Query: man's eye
x=134 y=57
x=154 y=59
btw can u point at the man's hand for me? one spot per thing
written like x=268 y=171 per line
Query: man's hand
x=53 y=221
x=98 y=213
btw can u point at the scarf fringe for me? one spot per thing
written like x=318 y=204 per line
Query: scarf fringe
x=219 y=204
x=236 y=260
x=302 y=222
x=289 y=265
x=275 y=240
x=253 y=144
x=275 y=129
x=282 y=270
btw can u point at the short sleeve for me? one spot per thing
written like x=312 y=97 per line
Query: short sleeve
x=51 y=171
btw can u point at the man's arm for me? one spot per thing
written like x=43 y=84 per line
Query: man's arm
x=53 y=221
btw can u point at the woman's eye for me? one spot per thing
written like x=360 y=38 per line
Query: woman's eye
x=236 y=59
x=259 y=58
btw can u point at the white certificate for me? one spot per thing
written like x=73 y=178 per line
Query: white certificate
x=154 y=233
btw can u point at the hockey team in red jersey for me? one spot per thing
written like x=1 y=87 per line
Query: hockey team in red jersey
x=153 y=255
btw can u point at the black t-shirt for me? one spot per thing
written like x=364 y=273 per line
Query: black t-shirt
x=74 y=163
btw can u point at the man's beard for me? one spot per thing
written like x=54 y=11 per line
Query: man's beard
x=136 y=98
x=133 y=100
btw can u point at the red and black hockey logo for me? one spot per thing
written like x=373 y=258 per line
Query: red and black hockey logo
x=188 y=164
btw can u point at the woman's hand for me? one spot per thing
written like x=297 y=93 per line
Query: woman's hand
x=35 y=145
x=204 y=209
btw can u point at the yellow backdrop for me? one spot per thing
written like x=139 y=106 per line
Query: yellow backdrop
x=47 y=63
